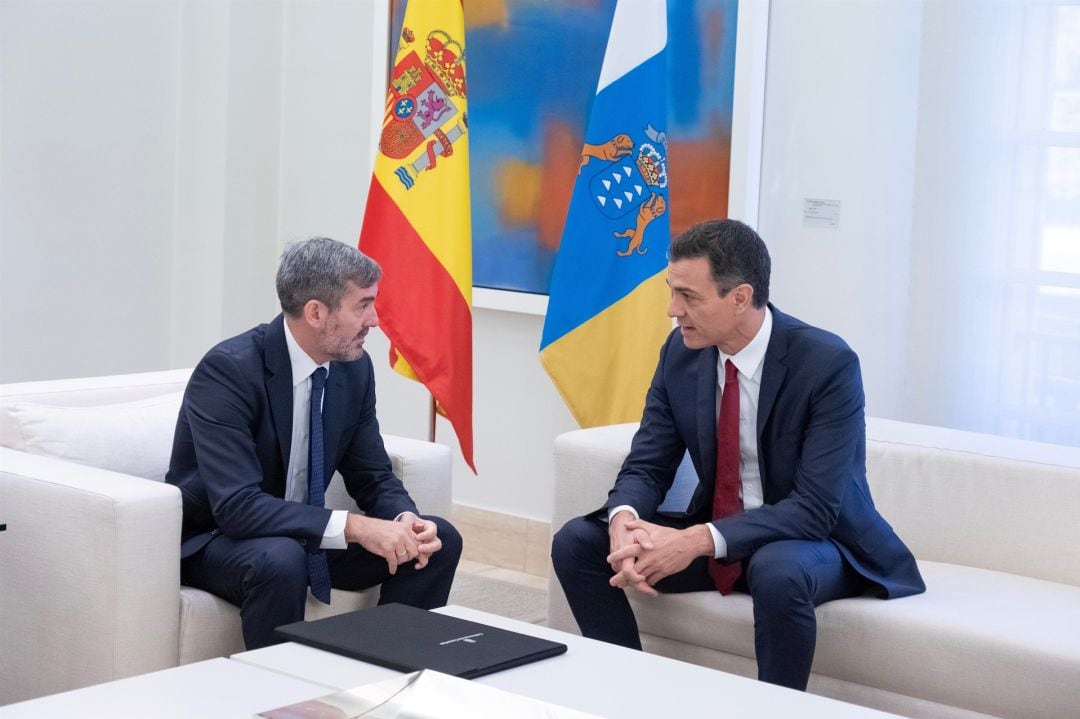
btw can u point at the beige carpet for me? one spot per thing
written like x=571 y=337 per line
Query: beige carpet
x=498 y=597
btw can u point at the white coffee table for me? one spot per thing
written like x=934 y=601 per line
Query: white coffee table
x=214 y=688
x=592 y=677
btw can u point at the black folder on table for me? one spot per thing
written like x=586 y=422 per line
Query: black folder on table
x=409 y=639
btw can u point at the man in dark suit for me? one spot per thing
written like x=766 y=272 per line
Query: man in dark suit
x=771 y=412
x=267 y=418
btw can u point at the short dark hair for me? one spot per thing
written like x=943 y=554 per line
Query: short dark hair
x=320 y=269
x=737 y=255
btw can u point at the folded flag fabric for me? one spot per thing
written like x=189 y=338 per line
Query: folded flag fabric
x=417 y=223
x=606 y=311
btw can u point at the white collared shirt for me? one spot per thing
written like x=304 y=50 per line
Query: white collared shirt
x=750 y=362
x=296 y=479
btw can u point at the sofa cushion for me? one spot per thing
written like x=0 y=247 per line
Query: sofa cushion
x=723 y=623
x=210 y=626
x=131 y=437
x=993 y=642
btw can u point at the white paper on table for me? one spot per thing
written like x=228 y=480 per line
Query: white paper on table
x=432 y=695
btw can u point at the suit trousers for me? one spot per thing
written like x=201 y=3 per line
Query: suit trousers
x=267 y=577
x=786 y=580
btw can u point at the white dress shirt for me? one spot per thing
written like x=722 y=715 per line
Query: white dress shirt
x=750 y=362
x=296 y=479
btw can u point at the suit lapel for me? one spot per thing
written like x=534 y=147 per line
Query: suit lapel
x=772 y=377
x=706 y=412
x=334 y=406
x=279 y=387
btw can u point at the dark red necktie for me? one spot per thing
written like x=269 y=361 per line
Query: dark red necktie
x=726 y=499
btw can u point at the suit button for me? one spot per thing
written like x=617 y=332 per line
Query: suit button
x=303 y=542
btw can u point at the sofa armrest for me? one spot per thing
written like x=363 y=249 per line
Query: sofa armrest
x=423 y=467
x=586 y=464
x=425 y=470
x=91 y=575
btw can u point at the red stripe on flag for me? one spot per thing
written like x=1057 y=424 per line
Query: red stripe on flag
x=422 y=311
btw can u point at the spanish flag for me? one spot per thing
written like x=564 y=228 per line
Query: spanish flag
x=606 y=311
x=417 y=223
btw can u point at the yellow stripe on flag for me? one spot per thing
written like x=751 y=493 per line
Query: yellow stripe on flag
x=611 y=390
x=402 y=368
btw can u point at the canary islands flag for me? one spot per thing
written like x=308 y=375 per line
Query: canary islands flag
x=417 y=223
x=606 y=314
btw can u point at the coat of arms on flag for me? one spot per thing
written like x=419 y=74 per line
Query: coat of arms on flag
x=634 y=178
x=421 y=107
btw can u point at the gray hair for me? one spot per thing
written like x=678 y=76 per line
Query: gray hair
x=319 y=269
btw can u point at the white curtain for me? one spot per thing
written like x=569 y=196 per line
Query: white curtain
x=994 y=320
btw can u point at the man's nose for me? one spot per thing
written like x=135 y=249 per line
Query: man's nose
x=373 y=319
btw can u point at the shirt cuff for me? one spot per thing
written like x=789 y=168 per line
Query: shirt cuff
x=719 y=543
x=334 y=534
x=612 y=512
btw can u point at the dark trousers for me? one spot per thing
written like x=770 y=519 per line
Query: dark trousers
x=267 y=577
x=786 y=580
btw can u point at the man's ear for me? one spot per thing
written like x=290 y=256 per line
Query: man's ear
x=744 y=297
x=314 y=313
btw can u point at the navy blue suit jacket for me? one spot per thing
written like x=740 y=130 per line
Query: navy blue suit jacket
x=811 y=437
x=233 y=439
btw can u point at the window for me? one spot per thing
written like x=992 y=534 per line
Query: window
x=1038 y=381
x=994 y=309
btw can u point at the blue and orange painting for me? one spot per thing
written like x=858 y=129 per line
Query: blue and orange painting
x=533 y=68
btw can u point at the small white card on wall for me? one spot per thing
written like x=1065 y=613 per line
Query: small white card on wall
x=821 y=213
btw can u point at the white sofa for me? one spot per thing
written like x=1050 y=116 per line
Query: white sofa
x=90 y=562
x=995 y=526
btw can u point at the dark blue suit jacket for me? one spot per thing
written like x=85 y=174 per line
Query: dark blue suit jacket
x=234 y=434
x=811 y=436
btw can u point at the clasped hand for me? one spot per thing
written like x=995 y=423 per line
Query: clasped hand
x=643 y=553
x=399 y=541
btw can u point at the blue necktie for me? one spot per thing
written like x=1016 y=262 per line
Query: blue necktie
x=318 y=569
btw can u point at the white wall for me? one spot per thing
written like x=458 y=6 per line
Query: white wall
x=840 y=124
x=333 y=101
x=229 y=104
x=138 y=162
x=154 y=156
x=153 y=159
x=86 y=227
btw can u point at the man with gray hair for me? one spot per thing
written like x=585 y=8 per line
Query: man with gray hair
x=267 y=418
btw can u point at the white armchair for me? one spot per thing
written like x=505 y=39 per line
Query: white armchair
x=90 y=562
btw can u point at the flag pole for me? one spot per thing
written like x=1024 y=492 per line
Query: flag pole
x=391 y=42
x=431 y=418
